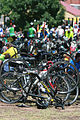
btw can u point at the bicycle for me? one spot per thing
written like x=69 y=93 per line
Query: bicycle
x=26 y=81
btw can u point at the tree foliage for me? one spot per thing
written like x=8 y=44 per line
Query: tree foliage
x=26 y=11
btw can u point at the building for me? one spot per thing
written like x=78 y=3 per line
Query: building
x=74 y=3
x=71 y=13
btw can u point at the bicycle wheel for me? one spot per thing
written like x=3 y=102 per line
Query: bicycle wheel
x=61 y=68
x=72 y=97
x=59 y=84
x=40 y=92
x=11 y=77
x=10 y=97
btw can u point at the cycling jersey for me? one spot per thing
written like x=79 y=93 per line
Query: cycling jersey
x=32 y=32
x=12 y=51
x=43 y=34
x=11 y=30
x=69 y=34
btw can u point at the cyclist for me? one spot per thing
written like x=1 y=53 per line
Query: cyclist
x=73 y=47
x=12 y=33
x=75 y=29
x=3 y=57
x=52 y=32
x=69 y=33
x=77 y=61
x=60 y=32
x=11 y=50
x=1 y=31
x=43 y=32
x=32 y=31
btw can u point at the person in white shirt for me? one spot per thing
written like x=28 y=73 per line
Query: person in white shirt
x=75 y=29
x=60 y=32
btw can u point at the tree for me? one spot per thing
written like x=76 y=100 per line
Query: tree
x=26 y=11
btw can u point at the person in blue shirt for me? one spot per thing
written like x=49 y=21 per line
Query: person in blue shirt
x=77 y=61
x=1 y=31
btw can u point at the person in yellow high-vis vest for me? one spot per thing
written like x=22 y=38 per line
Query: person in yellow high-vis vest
x=69 y=33
x=12 y=51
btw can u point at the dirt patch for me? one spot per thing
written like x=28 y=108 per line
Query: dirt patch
x=12 y=112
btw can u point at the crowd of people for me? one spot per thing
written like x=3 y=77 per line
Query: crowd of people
x=42 y=32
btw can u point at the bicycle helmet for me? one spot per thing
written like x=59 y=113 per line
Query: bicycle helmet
x=31 y=24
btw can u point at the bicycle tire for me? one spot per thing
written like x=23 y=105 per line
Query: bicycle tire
x=72 y=99
x=10 y=97
x=15 y=72
x=63 y=62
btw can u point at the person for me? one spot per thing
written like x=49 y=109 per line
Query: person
x=60 y=32
x=4 y=49
x=77 y=61
x=32 y=31
x=79 y=33
x=12 y=33
x=43 y=32
x=1 y=31
x=7 y=31
x=63 y=27
x=3 y=57
x=11 y=50
x=52 y=32
x=77 y=58
x=75 y=29
x=69 y=33
x=73 y=47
